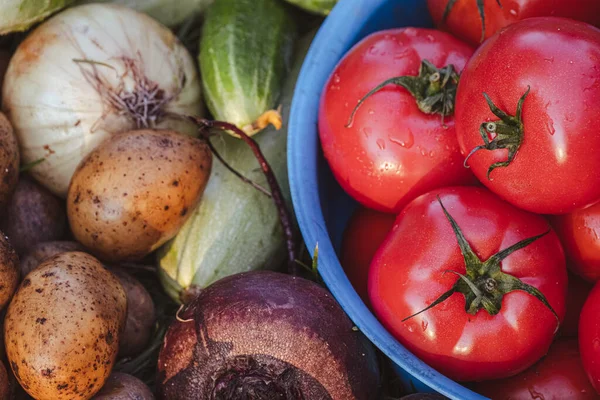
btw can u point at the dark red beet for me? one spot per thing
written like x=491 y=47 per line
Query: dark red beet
x=266 y=335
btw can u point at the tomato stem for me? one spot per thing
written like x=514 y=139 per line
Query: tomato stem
x=508 y=133
x=484 y=284
x=480 y=9
x=434 y=89
x=276 y=194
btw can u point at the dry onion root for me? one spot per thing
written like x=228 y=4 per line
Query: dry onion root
x=88 y=73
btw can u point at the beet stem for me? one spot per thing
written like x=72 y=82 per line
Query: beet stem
x=277 y=196
x=236 y=173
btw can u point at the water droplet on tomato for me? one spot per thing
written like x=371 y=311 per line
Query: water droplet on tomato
x=373 y=50
x=424 y=325
x=371 y=111
x=431 y=154
x=550 y=126
x=406 y=142
x=367 y=132
x=423 y=152
x=549 y=59
x=336 y=78
x=596 y=344
x=571 y=62
x=381 y=144
x=411 y=328
x=430 y=38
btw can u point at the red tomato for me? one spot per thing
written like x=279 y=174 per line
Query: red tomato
x=420 y=259
x=555 y=140
x=464 y=19
x=577 y=293
x=557 y=376
x=589 y=336
x=579 y=232
x=363 y=235
x=392 y=151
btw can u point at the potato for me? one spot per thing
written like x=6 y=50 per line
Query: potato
x=9 y=161
x=42 y=251
x=124 y=387
x=62 y=327
x=135 y=191
x=33 y=215
x=9 y=271
x=141 y=315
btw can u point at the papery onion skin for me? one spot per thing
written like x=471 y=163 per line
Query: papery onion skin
x=19 y=15
x=74 y=81
x=267 y=335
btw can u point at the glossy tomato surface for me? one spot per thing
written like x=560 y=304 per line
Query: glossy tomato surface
x=555 y=170
x=409 y=272
x=577 y=293
x=557 y=376
x=589 y=336
x=363 y=235
x=392 y=152
x=464 y=20
x=579 y=232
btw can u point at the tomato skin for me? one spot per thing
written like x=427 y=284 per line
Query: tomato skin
x=392 y=152
x=589 y=336
x=577 y=293
x=363 y=235
x=557 y=376
x=407 y=274
x=579 y=232
x=465 y=23
x=555 y=171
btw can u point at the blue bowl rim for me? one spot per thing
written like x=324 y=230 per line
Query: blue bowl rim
x=334 y=38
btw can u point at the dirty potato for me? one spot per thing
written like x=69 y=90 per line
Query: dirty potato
x=42 y=251
x=9 y=162
x=33 y=215
x=62 y=327
x=135 y=191
x=9 y=271
x=121 y=386
x=141 y=315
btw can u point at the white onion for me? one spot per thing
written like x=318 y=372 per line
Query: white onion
x=90 y=72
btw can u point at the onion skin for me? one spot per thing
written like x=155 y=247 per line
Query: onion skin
x=89 y=74
x=264 y=333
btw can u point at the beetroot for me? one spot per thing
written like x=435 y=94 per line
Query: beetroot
x=265 y=335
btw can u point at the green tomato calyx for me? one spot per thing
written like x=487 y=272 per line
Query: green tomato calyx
x=484 y=284
x=434 y=89
x=508 y=133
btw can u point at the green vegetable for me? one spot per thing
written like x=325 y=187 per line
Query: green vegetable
x=246 y=49
x=168 y=12
x=19 y=15
x=235 y=228
x=322 y=7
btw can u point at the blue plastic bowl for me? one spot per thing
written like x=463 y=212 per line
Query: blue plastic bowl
x=321 y=206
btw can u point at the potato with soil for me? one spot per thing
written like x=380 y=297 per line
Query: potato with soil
x=141 y=315
x=62 y=327
x=43 y=251
x=121 y=386
x=9 y=162
x=134 y=192
x=9 y=271
x=33 y=215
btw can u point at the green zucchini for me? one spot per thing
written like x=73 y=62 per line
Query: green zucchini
x=322 y=7
x=246 y=49
x=235 y=228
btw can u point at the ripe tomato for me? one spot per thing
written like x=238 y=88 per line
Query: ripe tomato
x=363 y=235
x=579 y=232
x=589 y=336
x=392 y=151
x=557 y=376
x=481 y=332
x=577 y=293
x=543 y=75
x=464 y=18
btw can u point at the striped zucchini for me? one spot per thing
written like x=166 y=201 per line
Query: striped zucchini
x=322 y=7
x=235 y=228
x=246 y=49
